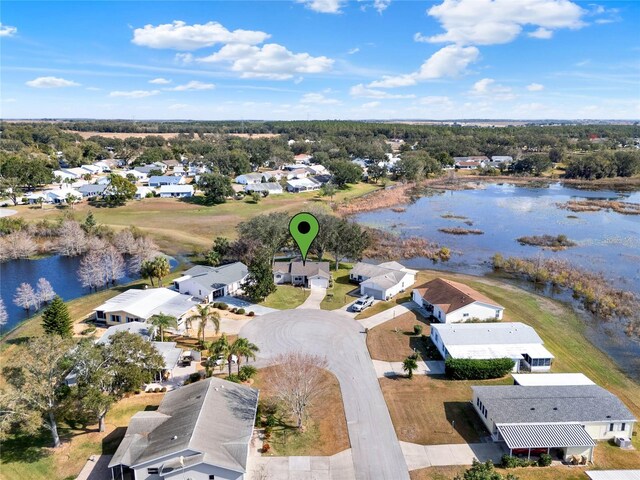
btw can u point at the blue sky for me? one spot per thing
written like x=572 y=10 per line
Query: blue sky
x=321 y=59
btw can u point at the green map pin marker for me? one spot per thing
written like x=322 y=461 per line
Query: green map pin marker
x=304 y=228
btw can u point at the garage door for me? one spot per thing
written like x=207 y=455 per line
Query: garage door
x=318 y=283
x=377 y=294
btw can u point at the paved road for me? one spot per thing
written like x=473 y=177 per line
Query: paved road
x=375 y=448
x=6 y=212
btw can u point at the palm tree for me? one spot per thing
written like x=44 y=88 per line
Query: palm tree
x=243 y=348
x=409 y=365
x=163 y=321
x=220 y=348
x=205 y=315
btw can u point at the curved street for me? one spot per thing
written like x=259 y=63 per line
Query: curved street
x=376 y=451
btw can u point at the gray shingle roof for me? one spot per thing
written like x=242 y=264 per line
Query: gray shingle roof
x=309 y=269
x=545 y=435
x=212 y=417
x=217 y=277
x=573 y=403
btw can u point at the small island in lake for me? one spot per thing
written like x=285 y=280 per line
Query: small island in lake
x=461 y=231
x=558 y=242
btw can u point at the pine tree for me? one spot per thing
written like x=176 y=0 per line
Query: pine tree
x=56 y=319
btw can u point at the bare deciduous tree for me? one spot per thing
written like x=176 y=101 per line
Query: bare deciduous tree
x=90 y=272
x=44 y=290
x=72 y=239
x=144 y=249
x=298 y=381
x=113 y=264
x=125 y=242
x=17 y=245
x=26 y=297
x=4 y=318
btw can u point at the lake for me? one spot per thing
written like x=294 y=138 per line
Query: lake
x=60 y=271
x=607 y=242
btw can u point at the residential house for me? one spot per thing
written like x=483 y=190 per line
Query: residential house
x=450 y=302
x=483 y=341
x=179 y=191
x=105 y=166
x=92 y=190
x=91 y=169
x=171 y=163
x=249 y=178
x=302 y=158
x=136 y=305
x=208 y=283
x=317 y=169
x=502 y=159
x=302 y=185
x=139 y=176
x=298 y=173
x=199 y=431
x=307 y=274
x=273 y=188
x=382 y=281
x=147 y=169
x=143 y=192
x=60 y=195
x=277 y=174
x=179 y=170
x=64 y=175
x=563 y=420
x=159 y=180
x=470 y=163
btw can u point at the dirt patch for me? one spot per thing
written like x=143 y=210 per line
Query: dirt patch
x=388 y=197
x=625 y=208
x=326 y=427
x=432 y=411
x=393 y=341
x=123 y=135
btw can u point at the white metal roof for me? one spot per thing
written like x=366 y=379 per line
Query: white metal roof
x=145 y=303
x=613 y=474
x=550 y=379
x=514 y=351
x=176 y=189
x=545 y=435
x=486 y=333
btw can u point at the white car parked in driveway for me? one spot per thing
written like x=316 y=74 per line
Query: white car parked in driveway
x=362 y=303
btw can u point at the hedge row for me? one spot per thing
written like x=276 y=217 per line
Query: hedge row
x=472 y=369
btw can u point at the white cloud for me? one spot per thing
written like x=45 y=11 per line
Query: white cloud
x=541 y=33
x=179 y=106
x=418 y=37
x=381 y=5
x=370 y=105
x=134 y=93
x=487 y=87
x=184 y=58
x=449 y=61
x=7 y=30
x=323 y=6
x=180 y=36
x=535 y=87
x=193 y=85
x=353 y=50
x=361 y=91
x=51 y=82
x=491 y=22
x=271 y=61
x=435 y=100
x=160 y=81
x=318 y=99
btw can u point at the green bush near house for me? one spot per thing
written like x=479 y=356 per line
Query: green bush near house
x=223 y=306
x=240 y=311
x=472 y=369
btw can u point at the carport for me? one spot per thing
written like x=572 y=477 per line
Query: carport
x=570 y=438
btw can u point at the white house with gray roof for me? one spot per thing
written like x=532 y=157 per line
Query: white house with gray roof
x=200 y=431
x=487 y=340
x=384 y=280
x=563 y=420
x=207 y=283
x=136 y=305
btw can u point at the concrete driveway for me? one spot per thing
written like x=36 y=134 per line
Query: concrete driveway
x=374 y=445
x=393 y=369
x=335 y=467
x=387 y=315
x=314 y=299
x=423 y=456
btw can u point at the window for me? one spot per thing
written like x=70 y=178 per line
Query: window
x=212 y=477
x=153 y=471
x=478 y=401
x=623 y=427
x=100 y=314
x=611 y=427
x=465 y=315
x=497 y=313
x=115 y=318
x=485 y=413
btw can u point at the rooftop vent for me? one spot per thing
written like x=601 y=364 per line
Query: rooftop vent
x=533 y=408
x=555 y=408
x=175 y=437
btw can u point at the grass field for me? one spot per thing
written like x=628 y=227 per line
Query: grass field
x=337 y=296
x=325 y=429
x=286 y=297
x=393 y=341
x=181 y=227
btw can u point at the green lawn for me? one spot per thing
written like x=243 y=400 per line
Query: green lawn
x=337 y=295
x=286 y=297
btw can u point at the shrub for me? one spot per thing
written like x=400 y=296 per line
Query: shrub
x=223 y=306
x=137 y=391
x=163 y=389
x=240 y=311
x=194 y=377
x=544 y=460
x=233 y=378
x=509 y=461
x=472 y=369
x=88 y=330
x=271 y=420
x=233 y=310
x=247 y=372
x=156 y=390
x=250 y=314
x=265 y=447
x=417 y=329
x=216 y=304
